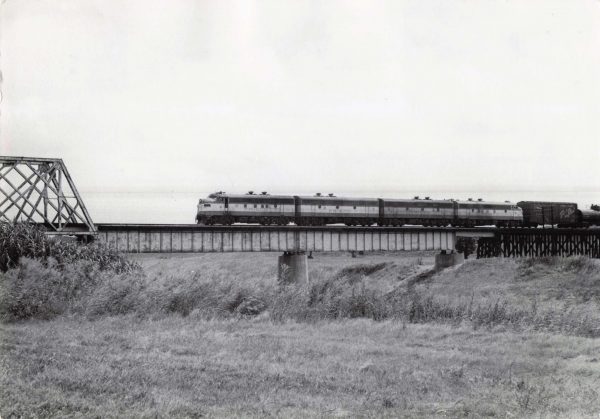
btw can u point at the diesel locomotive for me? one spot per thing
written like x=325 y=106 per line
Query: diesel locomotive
x=265 y=209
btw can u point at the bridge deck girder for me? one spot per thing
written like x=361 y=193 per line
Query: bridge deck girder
x=194 y=238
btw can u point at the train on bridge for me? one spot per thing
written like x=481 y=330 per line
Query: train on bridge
x=318 y=210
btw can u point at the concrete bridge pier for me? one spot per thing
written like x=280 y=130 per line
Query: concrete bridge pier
x=293 y=268
x=445 y=260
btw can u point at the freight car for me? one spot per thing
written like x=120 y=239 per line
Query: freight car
x=222 y=208
x=561 y=214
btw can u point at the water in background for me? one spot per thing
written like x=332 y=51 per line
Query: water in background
x=180 y=208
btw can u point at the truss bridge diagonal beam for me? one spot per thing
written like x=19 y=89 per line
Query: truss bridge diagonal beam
x=41 y=191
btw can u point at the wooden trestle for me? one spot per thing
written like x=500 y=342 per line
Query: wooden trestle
x=541 y=242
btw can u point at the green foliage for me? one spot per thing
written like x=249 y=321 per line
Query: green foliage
x=105 y=258
x=19 y=240
x=112 y=294
x=43 y=290
x=35 y=290
x=44 y=277
x=466 y=245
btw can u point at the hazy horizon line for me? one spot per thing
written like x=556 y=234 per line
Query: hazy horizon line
x=343 y=190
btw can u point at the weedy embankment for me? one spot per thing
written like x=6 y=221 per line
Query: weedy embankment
x=44 y=279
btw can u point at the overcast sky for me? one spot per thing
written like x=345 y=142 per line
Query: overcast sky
x=305 y=95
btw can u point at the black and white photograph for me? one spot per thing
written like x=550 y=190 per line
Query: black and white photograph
x=299 y=209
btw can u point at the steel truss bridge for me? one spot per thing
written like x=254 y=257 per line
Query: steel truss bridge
x=41 y=191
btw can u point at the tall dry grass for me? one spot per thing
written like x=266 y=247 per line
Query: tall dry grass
x=52 y=279
x=41 y=277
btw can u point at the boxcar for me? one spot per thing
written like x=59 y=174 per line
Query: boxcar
x=540 y=213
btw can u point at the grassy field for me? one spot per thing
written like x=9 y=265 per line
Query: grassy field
x=173 y=367
x=499 y=338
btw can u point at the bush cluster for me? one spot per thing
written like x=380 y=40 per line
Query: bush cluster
x=21 y=240
x=41 y=277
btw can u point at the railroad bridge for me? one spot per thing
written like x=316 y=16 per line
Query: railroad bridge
x=41 y=191
x=491 y=242
x=173 y=238
x=295 y=241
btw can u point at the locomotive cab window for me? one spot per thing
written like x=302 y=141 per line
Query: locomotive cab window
x=207 y=205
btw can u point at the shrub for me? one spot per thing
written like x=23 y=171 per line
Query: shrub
x=251 y=306
x=21 y=240
x=45 y=277
x=114 y=294
x=466 y=245
x=291 y=302
x=37 y=290
x=105 y=258
x=363 y=303
x=18 y=240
